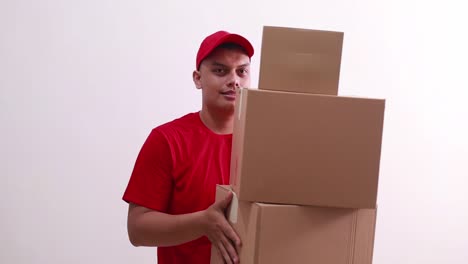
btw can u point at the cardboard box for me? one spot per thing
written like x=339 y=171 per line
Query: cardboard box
x=300 y=60
x=306 y=149
x=278 y=234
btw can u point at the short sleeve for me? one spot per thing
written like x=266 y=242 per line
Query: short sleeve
x=151 y=182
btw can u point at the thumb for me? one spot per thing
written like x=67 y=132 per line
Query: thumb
x=224 y=203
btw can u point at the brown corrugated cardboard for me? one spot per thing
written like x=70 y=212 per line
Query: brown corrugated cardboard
x=300 y=60
x=306 y=149
x=278 y=234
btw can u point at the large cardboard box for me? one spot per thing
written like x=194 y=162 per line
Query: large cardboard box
x=300 y=60
x=278 y=234
x=306 y=149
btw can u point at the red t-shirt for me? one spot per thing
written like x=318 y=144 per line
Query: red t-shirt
x=176 y=172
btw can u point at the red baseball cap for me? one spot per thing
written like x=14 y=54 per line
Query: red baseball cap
x=214 y=40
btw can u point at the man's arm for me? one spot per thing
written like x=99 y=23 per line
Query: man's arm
x=147 y=227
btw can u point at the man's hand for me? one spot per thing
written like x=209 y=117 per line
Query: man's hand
x=220 y=232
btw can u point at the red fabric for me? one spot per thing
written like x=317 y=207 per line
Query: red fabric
x=220 y=37
x=176 y=172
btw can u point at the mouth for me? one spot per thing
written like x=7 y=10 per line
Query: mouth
x=229 y=95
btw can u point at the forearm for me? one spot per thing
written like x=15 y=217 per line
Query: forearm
x=152 y=228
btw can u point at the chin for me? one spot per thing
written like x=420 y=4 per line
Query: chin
x=227 y=108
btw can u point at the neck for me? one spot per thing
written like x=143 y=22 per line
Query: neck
x=218 y=123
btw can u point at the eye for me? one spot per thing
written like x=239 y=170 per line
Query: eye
x=218 y=71
x=243 y=71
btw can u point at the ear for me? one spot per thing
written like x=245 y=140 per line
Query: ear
x=197 y=79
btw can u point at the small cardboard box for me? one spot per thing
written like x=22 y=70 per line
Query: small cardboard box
x=278 y=234
x=300 y=60
x=306 y=149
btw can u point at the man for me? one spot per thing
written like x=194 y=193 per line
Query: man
x=171 y=191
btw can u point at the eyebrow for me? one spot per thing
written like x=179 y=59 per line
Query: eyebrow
x=222 y=65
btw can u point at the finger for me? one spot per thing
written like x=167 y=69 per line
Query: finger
x=224 y=253
x=231 y=251
x=220 y=251
x=231 y=234
x=223 y=204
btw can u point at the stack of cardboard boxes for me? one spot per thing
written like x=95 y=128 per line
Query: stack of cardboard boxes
x=305 y=161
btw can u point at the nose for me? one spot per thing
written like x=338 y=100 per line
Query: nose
x=234 y=81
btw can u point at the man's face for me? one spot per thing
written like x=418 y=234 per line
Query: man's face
x=219 y=76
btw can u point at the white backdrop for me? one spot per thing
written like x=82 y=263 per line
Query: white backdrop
x=83 y=82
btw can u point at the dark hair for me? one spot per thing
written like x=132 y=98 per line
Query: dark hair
x=231 y=46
